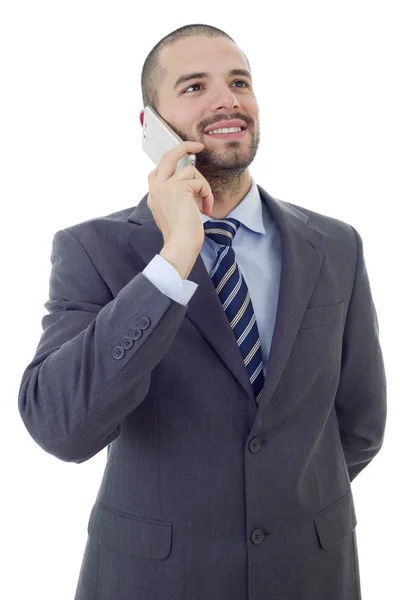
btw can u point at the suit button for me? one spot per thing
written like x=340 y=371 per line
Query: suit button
x=255 y=445
x=257 y=536
x=127 y=342
x=135 y=333
x=118 y=352
x=144 y=323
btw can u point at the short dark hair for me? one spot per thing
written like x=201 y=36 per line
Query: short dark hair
x=153 y=73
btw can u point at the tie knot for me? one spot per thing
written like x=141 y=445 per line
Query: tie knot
x=223 y=231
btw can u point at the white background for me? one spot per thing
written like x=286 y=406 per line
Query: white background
x=326 y=77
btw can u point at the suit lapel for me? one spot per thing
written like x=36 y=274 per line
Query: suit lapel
x=302 y=253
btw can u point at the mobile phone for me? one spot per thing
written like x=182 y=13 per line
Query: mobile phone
x=158 y=137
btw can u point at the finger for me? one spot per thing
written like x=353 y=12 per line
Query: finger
x=208 y=204
x=169 y=160
x=188 y=172
x=202 y=188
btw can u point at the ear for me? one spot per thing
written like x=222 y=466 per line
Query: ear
x=141 y=117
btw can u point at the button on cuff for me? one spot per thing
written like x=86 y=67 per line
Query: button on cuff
x=135 y=333
x=127 y=342
x=118 y=352
x=144 y=323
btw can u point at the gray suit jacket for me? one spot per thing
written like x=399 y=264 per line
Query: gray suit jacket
x=204 y=494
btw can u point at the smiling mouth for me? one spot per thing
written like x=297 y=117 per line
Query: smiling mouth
x=236 y=133
x=221 y=130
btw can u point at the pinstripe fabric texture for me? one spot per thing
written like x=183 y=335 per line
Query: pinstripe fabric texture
x=232 y=290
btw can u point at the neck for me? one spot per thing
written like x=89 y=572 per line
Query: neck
x=228 y=192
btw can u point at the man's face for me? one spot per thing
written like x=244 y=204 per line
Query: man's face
x=193 y=105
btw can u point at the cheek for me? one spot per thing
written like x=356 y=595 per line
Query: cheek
x=187 y=121
x=251 y=107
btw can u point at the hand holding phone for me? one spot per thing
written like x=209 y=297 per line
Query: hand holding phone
x=175 y=199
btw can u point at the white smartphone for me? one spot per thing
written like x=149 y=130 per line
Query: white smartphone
x=158 y=137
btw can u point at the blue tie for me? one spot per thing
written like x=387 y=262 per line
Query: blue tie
x=232 y=290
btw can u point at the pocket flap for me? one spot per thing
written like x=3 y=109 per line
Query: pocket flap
x=336 y=521
x=316 y=316
x=124 y=532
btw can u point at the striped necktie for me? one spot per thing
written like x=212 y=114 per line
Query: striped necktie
x=232 y=290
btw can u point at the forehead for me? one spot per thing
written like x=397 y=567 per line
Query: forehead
x=200 y=53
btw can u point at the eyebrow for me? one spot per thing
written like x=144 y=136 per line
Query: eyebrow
x=203 y=75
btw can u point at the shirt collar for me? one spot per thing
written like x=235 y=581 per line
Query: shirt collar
x=249 y=211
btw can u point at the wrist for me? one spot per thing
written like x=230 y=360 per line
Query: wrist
x=180 y=256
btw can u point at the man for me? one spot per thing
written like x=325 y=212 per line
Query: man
x=224 y=345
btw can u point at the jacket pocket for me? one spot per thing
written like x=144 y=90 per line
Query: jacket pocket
x=130 y=534
x=336 y=521
x=329 y=314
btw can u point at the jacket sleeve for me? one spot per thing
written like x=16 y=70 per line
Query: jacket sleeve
x=360 y=401
x=77 y=390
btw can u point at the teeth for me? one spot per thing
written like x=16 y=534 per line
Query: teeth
x=226 y=130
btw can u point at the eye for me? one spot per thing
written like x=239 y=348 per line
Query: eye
x=191 y=86
x=242 y=81
x=200 y=84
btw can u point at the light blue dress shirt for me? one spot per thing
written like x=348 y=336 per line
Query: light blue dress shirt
x=258 y=250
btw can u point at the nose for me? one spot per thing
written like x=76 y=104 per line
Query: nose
x=224 y=99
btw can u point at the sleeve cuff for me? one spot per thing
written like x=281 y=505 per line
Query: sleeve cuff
x=167 y=279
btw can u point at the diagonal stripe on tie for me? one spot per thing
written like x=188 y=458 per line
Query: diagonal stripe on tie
x=233 y=293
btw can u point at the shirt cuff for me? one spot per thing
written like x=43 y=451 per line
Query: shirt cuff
x=167 y=279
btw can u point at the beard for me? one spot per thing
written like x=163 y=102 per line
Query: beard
x=227 y=163
x=225 y=167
